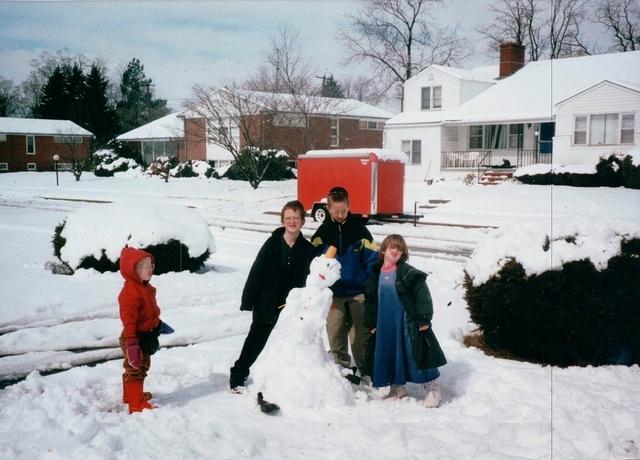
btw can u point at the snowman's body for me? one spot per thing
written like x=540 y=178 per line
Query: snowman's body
x=295 y=370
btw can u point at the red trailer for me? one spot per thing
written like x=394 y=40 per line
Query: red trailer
x=374 y=179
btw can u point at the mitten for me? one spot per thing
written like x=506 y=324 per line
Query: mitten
x=134 y=353
x=425 y=330
x=165 y=328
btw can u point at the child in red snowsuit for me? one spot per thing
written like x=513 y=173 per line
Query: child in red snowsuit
x=141 y=323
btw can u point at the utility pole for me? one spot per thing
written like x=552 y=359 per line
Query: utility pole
x=323 y=78
x=148 y=85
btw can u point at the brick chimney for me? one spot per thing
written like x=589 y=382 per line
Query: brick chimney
x=511 y=58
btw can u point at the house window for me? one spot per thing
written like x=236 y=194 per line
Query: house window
x=368 y=124
x=603 y=129
x=67 y=139
x=580 y=130
x=31 y=147
x=413 y=149
x=431 y=98
x=475 y=137
x=627 y=128
x=153 y=150
x=4 y=166
x=515 y=136
x=495 y=137
x=290 y=120
x=31 y=167
x=335 y=132
x=3 y=138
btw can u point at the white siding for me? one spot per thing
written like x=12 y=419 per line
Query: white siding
x=604 y=98
x=430 y=137
x=431 y=77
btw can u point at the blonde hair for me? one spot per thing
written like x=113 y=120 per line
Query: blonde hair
x=395 y=241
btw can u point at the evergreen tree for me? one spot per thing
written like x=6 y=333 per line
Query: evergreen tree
x=75 y=88
x=331 y=88
x=100 y=115
x=137 y=106
x=54 y=103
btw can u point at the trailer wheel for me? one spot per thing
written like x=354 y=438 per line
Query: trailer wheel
x=319 y=213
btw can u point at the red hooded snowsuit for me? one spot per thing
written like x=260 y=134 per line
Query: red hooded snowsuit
x=139 y=310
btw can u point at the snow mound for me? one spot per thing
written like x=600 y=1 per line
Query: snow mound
x=536 y=169
x=109 y=227
x=539 y=249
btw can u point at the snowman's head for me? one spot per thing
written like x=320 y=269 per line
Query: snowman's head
x=323 y=272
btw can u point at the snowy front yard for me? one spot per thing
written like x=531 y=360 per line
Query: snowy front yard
x=492 y=408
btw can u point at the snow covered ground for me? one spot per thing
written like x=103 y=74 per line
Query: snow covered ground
x=492 y=408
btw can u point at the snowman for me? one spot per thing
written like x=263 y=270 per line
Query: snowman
x=294 y=370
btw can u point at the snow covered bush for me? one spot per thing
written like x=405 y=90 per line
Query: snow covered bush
x=253 y=158
x=612 y=170
x=570 y=298
x=108 y=163
x=192 y=168
x=162 y=166
x=92 y=237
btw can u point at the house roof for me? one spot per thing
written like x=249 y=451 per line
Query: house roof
x=532 y=92
x=464 y=74
x=321 y=105
x=165 y=128
x=41 y=126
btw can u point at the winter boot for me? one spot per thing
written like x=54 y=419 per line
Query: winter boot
x=237 y=379
x=396 y=392
x=134 y=392
x=145 y=395
x=432 y=395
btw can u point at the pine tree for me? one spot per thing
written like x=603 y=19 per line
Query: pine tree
x=100 y=115
x=54 y=103
x=137 y=106
x=331 y=88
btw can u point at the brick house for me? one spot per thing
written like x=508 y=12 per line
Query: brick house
x=29 y=144
x=295 y=124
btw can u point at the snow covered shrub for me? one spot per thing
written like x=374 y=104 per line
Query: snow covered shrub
x=162 y=166
x=93 y=236
x=192 y=168
x=570 y=299
x=612 y=170
x=108 y=163
x=257 y=160
x=469 y=179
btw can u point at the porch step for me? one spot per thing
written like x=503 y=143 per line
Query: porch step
x=496 y=176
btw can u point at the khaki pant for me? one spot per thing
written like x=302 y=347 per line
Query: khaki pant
x=345 y=323
x=131 y=373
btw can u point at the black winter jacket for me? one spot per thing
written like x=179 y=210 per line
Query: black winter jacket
x=270 y=278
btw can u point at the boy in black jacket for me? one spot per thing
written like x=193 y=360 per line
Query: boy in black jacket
x=282 y=264
x=357 y=253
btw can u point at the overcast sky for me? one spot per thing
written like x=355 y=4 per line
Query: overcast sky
x=182 y=43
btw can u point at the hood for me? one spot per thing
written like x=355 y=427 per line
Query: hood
x=129 y=257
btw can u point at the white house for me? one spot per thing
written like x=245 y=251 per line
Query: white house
x=564 y=111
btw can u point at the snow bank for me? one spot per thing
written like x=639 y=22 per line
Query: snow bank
x=535 y=169
x=108 y=227
x=538 y=248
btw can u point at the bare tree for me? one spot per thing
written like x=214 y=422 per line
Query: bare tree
x=285 y=69
x=545 y=32
x=398 y=39
x=73 y=151
x=365 y=89
x=621 y=18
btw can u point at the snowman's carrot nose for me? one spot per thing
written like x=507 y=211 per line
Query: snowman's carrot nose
x=331 y=252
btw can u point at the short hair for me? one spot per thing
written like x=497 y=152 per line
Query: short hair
x=294 y=205
x=338 y=194
x=395 y=241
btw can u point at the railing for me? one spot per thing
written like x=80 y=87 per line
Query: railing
x=466 y=159
x=530 y=157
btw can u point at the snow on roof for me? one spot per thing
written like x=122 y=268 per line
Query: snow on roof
x=417 y=116
x=320 y=105
x=532 y=92
x=167 y=127
x=41 y=126
x=382 y=154
x=491 y=71
x=464 y=74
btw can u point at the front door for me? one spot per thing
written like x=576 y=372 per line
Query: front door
x=545 y=140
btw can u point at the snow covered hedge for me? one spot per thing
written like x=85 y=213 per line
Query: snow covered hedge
x=614 y=170
x=253 y=158
x=566 y=298
x=92 y=237
x=108 y=163
x=192 y=168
